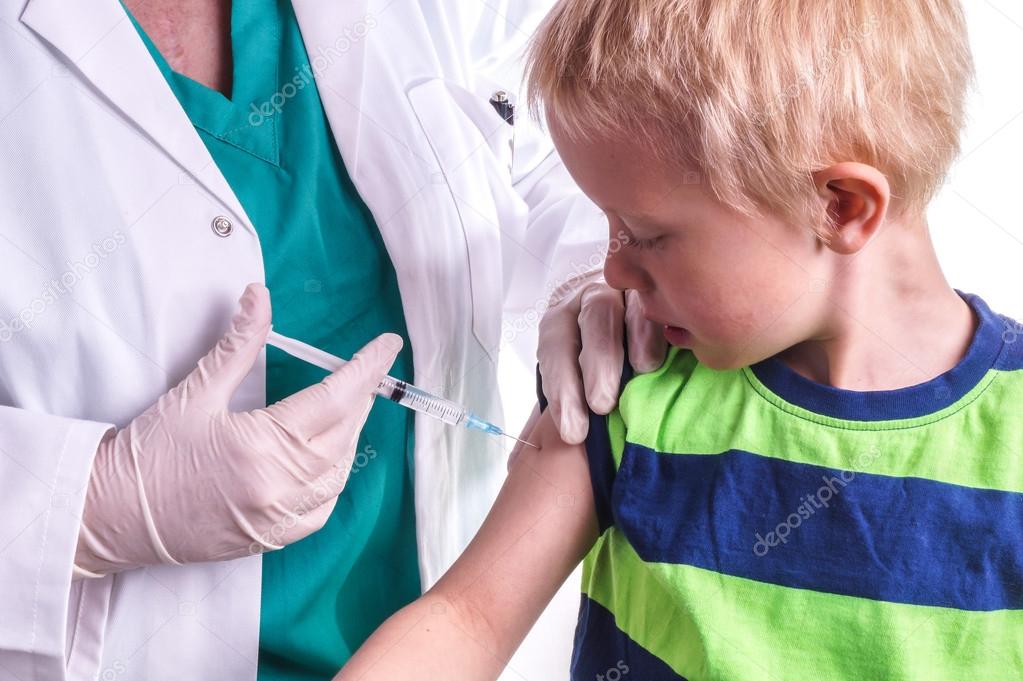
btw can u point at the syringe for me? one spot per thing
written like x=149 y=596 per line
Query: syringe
x=393 y=389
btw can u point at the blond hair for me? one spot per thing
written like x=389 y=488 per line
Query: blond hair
x=755 y=95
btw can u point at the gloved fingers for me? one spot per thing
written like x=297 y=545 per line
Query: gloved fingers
x=311 y=508
x=293 y=522
x=558 y=354
x=572 y=287
x=338 y=443
x=602 y=328
x=220 y=372
x=319 y=407
x=647 y=345
x=363 y=374
x=315 y=519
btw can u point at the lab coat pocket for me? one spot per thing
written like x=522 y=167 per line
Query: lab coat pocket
x=472 y=148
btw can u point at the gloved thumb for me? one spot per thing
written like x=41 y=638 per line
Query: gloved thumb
x=369 y=366
x=221 y=371
x=376 y=359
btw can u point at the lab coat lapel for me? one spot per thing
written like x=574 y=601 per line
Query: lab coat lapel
x=98 y=40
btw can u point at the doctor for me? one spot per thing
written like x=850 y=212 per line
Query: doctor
x=158 y=157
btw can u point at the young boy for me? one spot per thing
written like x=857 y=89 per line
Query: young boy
x=825 y=478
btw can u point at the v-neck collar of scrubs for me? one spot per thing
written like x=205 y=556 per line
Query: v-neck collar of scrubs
x=247 y=119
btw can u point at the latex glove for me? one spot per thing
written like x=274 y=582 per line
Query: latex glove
x=191 y=481
x=582 y=350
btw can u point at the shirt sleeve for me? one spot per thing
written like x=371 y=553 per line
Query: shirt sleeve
x=598 y=451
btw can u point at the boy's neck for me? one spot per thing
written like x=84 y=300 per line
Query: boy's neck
x=889 y=320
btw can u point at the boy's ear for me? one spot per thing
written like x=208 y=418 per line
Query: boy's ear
x=856 y=198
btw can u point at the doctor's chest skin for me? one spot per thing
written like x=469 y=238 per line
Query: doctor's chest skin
x=194 y=37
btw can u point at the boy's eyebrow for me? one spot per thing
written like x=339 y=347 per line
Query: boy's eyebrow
x=644 y=214
x=624 y=214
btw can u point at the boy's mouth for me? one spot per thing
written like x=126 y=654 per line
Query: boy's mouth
x=677 y=335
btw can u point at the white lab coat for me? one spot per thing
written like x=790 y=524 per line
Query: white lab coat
x=114 y=284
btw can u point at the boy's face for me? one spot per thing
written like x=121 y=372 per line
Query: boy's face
x=735 y=290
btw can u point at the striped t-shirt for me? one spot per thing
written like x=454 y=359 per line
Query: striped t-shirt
x=757 y=525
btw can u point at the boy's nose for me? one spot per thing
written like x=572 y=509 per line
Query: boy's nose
x=622 y=273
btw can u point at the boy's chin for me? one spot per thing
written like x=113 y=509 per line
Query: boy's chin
x=719 y=359
x=720 y=356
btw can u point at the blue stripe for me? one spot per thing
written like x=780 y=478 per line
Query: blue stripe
x=602 y=469
x=884 y=405
x=905 y=540
x=603 y=651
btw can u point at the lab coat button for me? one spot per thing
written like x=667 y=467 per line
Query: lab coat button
x=222 y=226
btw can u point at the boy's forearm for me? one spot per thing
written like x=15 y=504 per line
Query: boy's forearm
x=432 y=638
x=471 y=622
x=427 y=639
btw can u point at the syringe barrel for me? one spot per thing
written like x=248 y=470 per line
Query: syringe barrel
x=390 y=387
x=419 y=400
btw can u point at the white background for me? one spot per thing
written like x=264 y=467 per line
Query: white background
x=977 y=227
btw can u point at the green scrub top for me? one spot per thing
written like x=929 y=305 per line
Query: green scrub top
x=332 y=285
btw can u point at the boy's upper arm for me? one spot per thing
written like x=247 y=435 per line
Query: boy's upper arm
x=541 y=526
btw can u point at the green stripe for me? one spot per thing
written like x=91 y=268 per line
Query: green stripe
x=708 y=626
x=710 y=412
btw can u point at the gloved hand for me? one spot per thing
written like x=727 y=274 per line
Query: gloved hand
x=582 y=349
x=190 y=481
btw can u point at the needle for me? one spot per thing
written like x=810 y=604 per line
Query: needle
x=522 y=441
